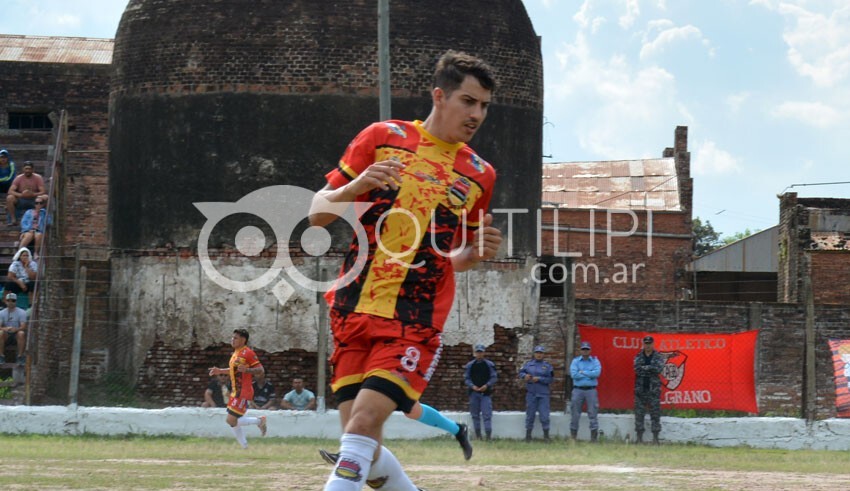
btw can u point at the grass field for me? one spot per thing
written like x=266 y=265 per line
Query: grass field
x=52 y=462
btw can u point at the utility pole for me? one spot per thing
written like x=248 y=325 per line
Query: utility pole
x=384 y=59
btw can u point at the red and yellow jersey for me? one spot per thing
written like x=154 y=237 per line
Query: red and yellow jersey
x=444 y=193
x=240 y=381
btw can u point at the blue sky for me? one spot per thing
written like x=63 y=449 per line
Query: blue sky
x=763 y=85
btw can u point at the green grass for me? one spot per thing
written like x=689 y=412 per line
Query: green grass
x=55 y=462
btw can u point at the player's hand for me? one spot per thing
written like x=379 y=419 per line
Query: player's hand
x=242 y=368
x=385 y=174
x=486 y=240
x=213 y=371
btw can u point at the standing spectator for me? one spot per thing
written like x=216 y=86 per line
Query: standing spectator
x=537 y=374
x=299 y=398
x=13 y=325
x=648 y=367
x=23 y=191
x=7 y=170
x=242 y=367
x=585 y=371
x=32 y=225
x=264 y=394
x=22 y=272
x=480 y=375
x=387 y=323
x=217 y=391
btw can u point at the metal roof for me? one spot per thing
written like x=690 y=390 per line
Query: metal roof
x=758 y=253
x=647 y=184
x=43 y=49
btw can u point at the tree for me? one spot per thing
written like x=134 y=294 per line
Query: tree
x=706 y=239
x=739 y=235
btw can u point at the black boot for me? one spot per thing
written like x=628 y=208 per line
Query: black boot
x=477 y=433
x=594 y=434
x=639 y=437
x=528 y=435
x=489 y=434
x=546 y=436
x=573 y=434
x=655 y=438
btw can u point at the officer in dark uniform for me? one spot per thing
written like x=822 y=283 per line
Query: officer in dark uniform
x=648 y=366
x=480 y=375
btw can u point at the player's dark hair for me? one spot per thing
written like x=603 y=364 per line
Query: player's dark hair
x=243 y=333
x=454 y=66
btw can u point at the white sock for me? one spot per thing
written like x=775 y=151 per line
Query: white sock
x=245 y=420
x=352 y=467
x=239 y=433
x=386 y=474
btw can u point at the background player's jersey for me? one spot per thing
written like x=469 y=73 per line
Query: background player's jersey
x=408 y=274
x=240 y=382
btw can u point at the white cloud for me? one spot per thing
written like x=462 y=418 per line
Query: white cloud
x=735 y=101
x=818 y=39
x=668 y=36
x=709 y=159
x=582 y=16
x=814 y=114
x=632 y=12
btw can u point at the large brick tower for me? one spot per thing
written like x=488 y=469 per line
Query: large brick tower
x=211 y=100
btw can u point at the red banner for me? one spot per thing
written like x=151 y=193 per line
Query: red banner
x=703 y=371
x=841 y=362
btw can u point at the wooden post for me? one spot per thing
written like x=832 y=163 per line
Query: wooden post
x=79 y=313
x=810 y=388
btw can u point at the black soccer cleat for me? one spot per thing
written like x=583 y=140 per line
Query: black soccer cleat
x=462 y=437
x=329 y=457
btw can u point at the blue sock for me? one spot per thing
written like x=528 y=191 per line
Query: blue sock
x=432 y=417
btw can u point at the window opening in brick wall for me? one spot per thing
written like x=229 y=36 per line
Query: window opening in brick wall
x=552 y=273
x=30 y=121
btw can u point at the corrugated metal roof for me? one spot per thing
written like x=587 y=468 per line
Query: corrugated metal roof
x=42 y=49
x=830 y=241
x=648 y=184
x=758 y=253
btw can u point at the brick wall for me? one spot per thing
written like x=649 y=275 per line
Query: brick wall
x=829 y=270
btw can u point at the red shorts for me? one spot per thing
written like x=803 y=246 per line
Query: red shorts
x=397 y=357
x=237 y=406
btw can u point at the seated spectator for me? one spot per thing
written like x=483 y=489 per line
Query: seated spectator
x=7 y=170
x=299 y=398
x=264 y=395
x=13 y=325
x=23 y=192
x=218 y=391
x=22 y=272
x=32 y=225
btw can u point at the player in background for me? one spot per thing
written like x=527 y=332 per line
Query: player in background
x=242 y=368
x=429 y=194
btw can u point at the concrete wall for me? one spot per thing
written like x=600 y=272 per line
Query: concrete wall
x=782 y=433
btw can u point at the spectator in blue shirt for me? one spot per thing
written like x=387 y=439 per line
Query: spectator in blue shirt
x=585 y=371
x=7 y=170
x=480 y=375
x=32 y=225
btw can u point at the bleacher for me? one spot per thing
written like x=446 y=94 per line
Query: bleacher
x=41 y=158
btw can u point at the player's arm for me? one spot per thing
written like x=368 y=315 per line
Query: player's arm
x=218 y=371
x=385 y=174
x=484 y=245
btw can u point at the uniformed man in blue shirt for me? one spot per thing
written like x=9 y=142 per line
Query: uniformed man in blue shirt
x=585 y=371
x=538 y=374
x=480 y=375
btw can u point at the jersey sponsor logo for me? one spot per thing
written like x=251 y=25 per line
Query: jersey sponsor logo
x=476 y=162
x=349 y=470
x=397 y=130
x=459 y=192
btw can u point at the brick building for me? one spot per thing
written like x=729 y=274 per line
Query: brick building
x=626 y=225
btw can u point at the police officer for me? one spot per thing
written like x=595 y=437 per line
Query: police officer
x=537 y=375
x=479 y=375
x=648 y=366
x=585 y=371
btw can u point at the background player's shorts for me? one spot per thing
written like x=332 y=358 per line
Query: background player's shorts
x=237 y=406
x=398 y=358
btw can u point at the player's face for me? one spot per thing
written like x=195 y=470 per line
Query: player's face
x=237 y=341
x=462 y=111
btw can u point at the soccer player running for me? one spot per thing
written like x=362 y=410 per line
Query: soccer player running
x=242 y=368
x=429 y=193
